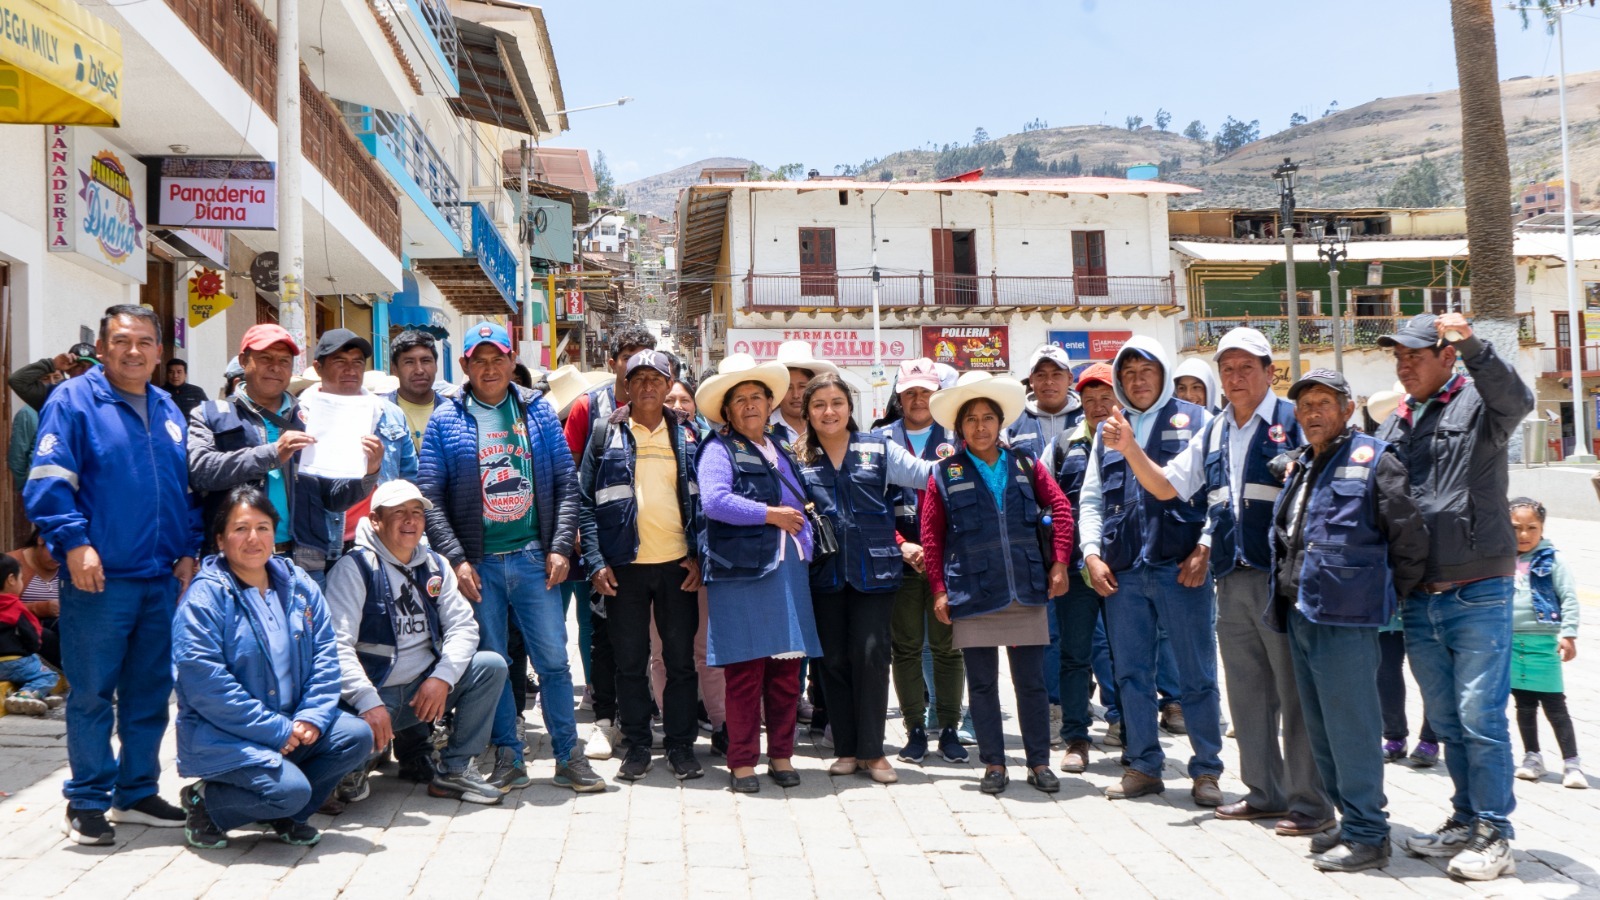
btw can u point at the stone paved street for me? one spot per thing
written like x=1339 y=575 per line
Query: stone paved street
x=933 y=834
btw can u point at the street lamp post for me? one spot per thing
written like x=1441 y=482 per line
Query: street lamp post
x=1284 y=175
x=1332 y=248
x=1580 y=446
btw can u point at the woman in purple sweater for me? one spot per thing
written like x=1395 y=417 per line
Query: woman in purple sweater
x=755 y=556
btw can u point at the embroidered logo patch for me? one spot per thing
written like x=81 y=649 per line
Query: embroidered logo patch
x=46 y=444
x=955 y=471
x=945 y=451
x=435 y=584
x=174 y=431
x=1277 y=434
x=1180 y=420
x=1361 y=455
x=864 y=458
x=485 y=331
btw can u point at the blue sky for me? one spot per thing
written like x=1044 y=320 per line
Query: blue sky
x=831 y=82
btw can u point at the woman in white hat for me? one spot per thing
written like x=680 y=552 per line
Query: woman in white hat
x=755 y=561
x=987 y=510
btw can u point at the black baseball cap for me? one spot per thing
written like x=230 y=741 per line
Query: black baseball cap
x=649 y=359
x=83 y=351
x=337 y=339
x=1327 y=378
x=1418 y=332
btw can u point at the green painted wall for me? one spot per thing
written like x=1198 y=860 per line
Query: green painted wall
x=1262 y=294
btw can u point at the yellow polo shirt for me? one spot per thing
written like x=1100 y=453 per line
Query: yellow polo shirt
x=655 y=491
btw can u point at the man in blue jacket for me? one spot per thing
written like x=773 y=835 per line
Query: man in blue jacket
x=109 y=490
x=496 y=467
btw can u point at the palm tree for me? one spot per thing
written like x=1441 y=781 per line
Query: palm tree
x=1486 y=170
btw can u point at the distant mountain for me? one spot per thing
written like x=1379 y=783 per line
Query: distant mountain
x=1348 y=158
x=658 y=194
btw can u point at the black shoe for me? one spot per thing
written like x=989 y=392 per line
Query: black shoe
x=1045 y=780
x=635 y=764
x=784 y=778
x=749 y=784
x=684 y=765
x=994 y=781
x=916 y=748
x=298 y=834
x=1348 y=857
x=188 y=796
x=1324 y=841
x=417 y=769
x=950 y=746
x=719 y=740
x=152 y=811
x=576 y=773
x=200 y=831
x=89 y=826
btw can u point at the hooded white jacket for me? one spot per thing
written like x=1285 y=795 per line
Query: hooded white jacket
x=1195 y=367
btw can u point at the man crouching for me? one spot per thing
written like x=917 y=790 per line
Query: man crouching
x=408 y=642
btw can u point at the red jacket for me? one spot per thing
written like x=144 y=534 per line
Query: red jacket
x=19 y=630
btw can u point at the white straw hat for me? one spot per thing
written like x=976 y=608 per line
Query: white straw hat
x=567 y=384
x=799 y=355
x=1004 y=390
x=736 y=369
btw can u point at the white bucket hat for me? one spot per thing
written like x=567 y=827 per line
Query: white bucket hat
x=1004 y=390
x=799 y=355
x=736 y=369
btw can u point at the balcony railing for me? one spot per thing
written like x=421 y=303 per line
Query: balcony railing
x=1315 y=331
x=494 y=255
x=404 y=141
x=778 y=292
x=238 y=34
x=436 y=15
x=1559 y=359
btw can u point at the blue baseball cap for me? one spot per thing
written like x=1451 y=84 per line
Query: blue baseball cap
x=490 y=332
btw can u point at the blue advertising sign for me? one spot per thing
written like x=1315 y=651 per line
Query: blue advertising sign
x=1076 y=343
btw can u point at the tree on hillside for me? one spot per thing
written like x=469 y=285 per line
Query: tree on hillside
x=604 y=184
x=1163 y=119
x=1333 y=107
x=787 y=172
x=1420 y=187
x=1072 y=167
x=1195 y=131
x=1233 y=134
x=1026 y=161
x=1134 y=122
x=1296 y=119
x=1035 y=125
x=980 y=136
x=753 y=173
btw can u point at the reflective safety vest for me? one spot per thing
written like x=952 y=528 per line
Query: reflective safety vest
x=1024 y=432
x=743 y=552
x=1136 y=528
x=941 y=444
x=1069 y=464
x=860 y=501
x=375 y=639
x=602 y=403
x=1345 y=577
x=991 y=555
x=1248 y=541
x=616 y=506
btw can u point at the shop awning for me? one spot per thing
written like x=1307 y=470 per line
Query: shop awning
x=59 y=65
x=496 y=88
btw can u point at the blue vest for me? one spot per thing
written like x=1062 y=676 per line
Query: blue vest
x=1248 y=541
x=616 y=508
x=991 y=556
x=1345 y=577
x=1136 y=528
x=743 y=552
x=1070 y=464
x=941 y=444
x=375 y=639
x=1024 y=433
x=1542 y=583
x=602 y=403
x=860 y=501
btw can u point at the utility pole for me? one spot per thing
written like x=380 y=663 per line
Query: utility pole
x=877 y=319
x=526 y=262
x=1285 y=177
x=291 y=221
x=1581 y=451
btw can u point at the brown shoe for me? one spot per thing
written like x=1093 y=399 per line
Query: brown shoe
x=1205 y=791
x=1301 y=825
x=1172 y=719
x=1241 y=810
x=1076 y=759
x=1134 y=783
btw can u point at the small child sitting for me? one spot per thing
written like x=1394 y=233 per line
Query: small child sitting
x=1544 y=634
x=19 y=648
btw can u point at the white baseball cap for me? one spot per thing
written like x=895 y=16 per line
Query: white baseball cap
x=1249 y=340
x=1053 y=354
x=397 y=493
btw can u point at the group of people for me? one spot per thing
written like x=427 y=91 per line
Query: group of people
x=1126 y=525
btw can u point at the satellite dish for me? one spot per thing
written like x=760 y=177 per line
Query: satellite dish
x=264 y=272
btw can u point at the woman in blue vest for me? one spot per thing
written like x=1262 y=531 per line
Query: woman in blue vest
x=257 y=675
x=987 y=511
x=755 y=552
x=855 y=476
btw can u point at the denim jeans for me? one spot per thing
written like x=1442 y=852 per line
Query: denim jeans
x=1166 y=679
x=294 y=789
x=28 y=674
x=1460 y=648
x=1333 y=666
x=1076 y=613
x=117 y=647
x=473 y=699
x=1149 y=599
x=515 y=581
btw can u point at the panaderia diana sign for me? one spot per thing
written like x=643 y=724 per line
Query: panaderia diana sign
x=95 y=195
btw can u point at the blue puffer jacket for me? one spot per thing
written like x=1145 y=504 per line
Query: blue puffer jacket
x=449 y=477
x=227 y=716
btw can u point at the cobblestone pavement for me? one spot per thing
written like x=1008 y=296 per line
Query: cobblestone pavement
x=932 y=834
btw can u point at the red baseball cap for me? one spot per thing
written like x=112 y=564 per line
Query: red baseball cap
x=260 y=337
x=1100 y=372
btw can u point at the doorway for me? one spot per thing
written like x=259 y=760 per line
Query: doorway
x=819 y=273
x=1089 y=263
x=955 y=267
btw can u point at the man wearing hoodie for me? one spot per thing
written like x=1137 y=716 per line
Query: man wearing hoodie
x=408 y=642
x=1142 y=555
x=1230 y=466
x=1053 y=406
x=1195 y=382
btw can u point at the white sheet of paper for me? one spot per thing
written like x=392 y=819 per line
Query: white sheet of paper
x=338 y=423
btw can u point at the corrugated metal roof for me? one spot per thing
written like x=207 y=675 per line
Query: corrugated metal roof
x=1538 y=245
x=1084 y=185
x=705 y=214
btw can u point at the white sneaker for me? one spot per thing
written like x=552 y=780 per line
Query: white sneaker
x=1573 y=777
x=1486 y=857
x=600 y=744
x=1451 y=838
x=1532 y=768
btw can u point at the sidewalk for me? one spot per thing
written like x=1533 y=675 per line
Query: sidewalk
x=931 y=835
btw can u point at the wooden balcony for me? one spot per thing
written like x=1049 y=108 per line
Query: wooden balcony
x=763 y=293
x=244 y=42
x=1357 y=332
